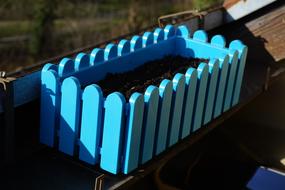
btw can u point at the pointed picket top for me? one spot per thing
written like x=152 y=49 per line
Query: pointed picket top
x=158 y=35
x=124 y=47
x=183 y=31
x=169 y=31
x=66 y=67
x=219 y=41
x=96 y=56
x=200 y=35
x=110 y=52
x=82 y=61
x=136 y=43
x=147 y=39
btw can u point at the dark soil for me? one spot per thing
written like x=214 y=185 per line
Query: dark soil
x=150 y=73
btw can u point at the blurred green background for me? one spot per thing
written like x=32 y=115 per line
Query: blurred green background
x=33 y=30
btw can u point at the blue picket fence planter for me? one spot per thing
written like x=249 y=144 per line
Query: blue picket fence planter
x=121 y=134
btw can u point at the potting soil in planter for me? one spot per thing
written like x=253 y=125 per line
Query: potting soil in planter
x=150 y=73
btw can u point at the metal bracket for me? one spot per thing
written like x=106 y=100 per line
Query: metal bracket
x=175 y=16
x=99 y=182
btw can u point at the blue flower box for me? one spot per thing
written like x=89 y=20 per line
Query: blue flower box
x=122 y=134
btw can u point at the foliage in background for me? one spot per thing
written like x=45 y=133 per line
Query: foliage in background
x=33 y=30
x=202 y=4
x=43 y=25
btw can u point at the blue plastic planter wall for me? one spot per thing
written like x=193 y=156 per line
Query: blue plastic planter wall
x=122 y=134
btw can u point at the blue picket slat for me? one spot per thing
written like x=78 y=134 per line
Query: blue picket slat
x=49 y=106
x=231 y=79
x=91 y=124
x=111 y=151
x=211 y=90
x=203 y=72
x=238 y=45
x=133 y=132
x=223 y=67
x=165 y=93
x=69 y=115
x=151 y=98
x=190 y=93
x=177 y=105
